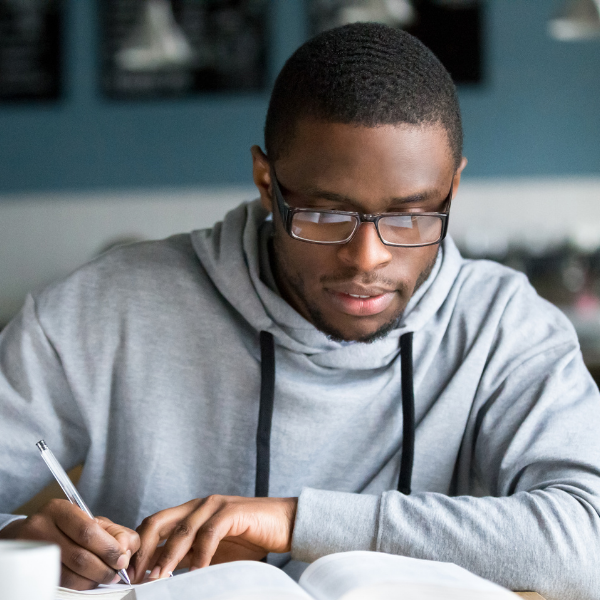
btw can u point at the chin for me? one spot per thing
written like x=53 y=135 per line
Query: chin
x=364 y=335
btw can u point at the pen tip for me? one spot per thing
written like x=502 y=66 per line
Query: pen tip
x=125 y=577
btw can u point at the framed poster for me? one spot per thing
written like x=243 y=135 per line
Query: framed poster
x=177 y=48
x=451 y=29
x=30 y=49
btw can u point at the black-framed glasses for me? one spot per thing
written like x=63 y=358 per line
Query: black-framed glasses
x=403 y=229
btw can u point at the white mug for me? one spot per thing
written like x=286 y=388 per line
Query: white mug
x=28 y=570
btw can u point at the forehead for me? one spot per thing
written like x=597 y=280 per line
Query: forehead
x=382 y=161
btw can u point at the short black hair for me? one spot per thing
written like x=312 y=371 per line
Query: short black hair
x=365 y=74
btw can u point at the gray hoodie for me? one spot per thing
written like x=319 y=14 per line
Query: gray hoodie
x=145 y=365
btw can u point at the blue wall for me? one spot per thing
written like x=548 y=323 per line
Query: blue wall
x=537 y=114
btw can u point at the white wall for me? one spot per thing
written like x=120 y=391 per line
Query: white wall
x=44 y=237
x=527 y=211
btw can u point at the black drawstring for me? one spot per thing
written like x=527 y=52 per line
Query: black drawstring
x=265 y=414
x=408 y=413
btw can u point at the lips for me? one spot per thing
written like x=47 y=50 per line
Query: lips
x=360 y=302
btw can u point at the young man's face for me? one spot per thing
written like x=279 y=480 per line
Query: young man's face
x=369 y=170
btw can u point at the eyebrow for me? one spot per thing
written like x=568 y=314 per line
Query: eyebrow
x=315 y=192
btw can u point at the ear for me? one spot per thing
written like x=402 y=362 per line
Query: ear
x=261 y=173
x=456 y=182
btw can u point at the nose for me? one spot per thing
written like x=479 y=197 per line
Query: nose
x=365 y=251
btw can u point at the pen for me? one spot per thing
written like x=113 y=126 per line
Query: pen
x=69 y=489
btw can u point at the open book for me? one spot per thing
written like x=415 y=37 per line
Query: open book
x=347 y=576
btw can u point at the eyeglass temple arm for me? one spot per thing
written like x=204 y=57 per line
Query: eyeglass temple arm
x=447 y=210
x=284 y=211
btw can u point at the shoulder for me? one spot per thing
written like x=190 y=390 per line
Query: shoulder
x=487 y=282
x=155 y=257
x=491 y=278
x=131 y=277
x=502 y=305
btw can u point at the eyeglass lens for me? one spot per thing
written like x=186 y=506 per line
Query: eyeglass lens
x=323 y=227
x=410 y=230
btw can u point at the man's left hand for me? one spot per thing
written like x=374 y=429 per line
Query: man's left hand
x=213 y=530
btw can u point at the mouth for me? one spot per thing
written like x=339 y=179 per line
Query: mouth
x=361 y=302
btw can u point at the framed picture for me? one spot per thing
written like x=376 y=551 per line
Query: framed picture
x=177 y=48
x=452 y=29
x=30 y=49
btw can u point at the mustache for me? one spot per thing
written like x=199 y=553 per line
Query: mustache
x=365 y=279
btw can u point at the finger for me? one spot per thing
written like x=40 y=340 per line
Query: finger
x=71 y=580
x=128 y=539
x=151 y=563
x=152 y=531
x=215 y=543
x=88 y=534
x=207 y=541
x=82 y=562
x=185 y=533
x=203 y=546
x=155 y=556
x=229 y=549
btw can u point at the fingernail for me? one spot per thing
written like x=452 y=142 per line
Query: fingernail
x=154 y=573
x=131 y=573
x=116 y=578
x=194 y=568
x=123 y=560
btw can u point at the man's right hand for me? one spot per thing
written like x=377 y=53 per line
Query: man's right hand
x=91 y=550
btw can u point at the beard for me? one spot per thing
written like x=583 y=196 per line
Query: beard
x=283 y=273
x=333 y=334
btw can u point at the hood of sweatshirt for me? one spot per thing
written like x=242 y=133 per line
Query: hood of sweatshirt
x=235 y=255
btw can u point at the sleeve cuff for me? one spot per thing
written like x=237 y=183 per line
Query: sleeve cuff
x=328 y=522
x=8 y=519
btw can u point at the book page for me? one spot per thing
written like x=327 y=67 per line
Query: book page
x=355 y=575
x=242 y=580
x=107 y=592
x=114 y=591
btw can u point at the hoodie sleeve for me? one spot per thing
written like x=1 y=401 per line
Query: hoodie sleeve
x=535 y=447
x=36 y=403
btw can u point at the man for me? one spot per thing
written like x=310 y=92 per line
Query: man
x=324 y=358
